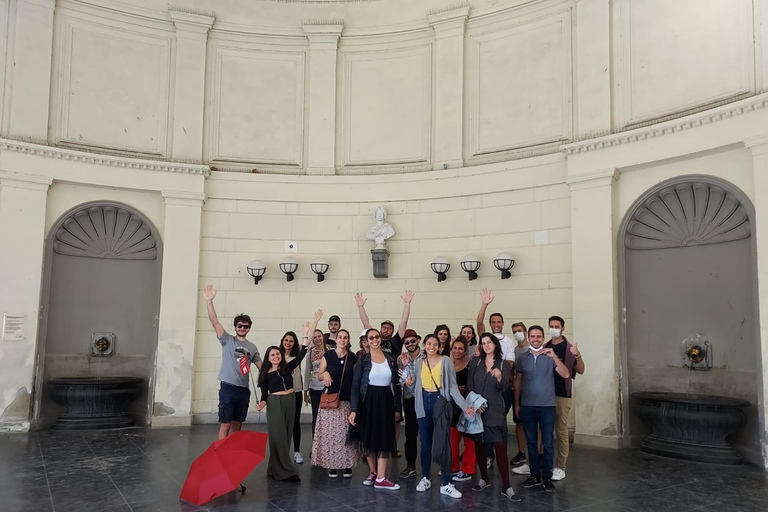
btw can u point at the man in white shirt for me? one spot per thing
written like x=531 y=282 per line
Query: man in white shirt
x=496 y=320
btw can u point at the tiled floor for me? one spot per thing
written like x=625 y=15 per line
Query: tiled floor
x=142 y=470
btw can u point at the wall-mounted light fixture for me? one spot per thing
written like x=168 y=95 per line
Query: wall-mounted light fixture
x=256 y=269
x=504 y=262
x=319 y=267
x=288 y=266
x=470 y=264
x=440 y=266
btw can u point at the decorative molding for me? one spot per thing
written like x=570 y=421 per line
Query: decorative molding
x=181 y=198
x=105 y=232
x=323 y=23
x=458 y=6
x=323 y=34
x=187 y=10
x=758 y=145
x=687 y=214
x=192 y=22
x=596 y=179
x=97 y=159
x=25 y=181
x=669 y=127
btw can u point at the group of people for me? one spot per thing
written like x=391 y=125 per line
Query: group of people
x=446 y=390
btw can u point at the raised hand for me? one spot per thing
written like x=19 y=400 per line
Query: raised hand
x=486 y=296
x=305 y=328
x=408 y=297
x=575 y=349
x=360 y=300
x=209 y=293
x=318 y=315
x=549 y=353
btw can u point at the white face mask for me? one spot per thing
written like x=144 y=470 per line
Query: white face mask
x=535 y=350
x=519 y=336
x=554 y=333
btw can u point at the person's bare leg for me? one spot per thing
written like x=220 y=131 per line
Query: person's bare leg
x=224 y=430
x=520 y=435
x=371 y=463
x=236 y=425
x=381 y=467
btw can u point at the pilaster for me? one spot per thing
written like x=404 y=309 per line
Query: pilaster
x=189 y=92
x=323 y=36
x=592 y=75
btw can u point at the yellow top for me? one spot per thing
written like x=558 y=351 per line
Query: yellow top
x=427 y=376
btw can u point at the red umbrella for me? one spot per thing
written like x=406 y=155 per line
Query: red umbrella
x=222 y=467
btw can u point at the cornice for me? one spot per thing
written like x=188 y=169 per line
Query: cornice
x=758 y=145
x=198 y=22
x=180 y=198
x=323 y=34
x=25 y=181
x=43 y=151
x=669 y=127
x=600 y=178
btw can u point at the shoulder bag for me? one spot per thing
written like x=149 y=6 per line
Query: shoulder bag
x=332 y=400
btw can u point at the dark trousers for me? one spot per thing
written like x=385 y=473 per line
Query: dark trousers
x=314 y=399
x=539 y=420
x=411 y=430
x=297 y=422
x=426 y=431
x=507 y=396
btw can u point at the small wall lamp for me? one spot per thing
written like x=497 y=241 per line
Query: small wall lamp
x=440 y=266
x=470 y=264
x=288 y=266
x=319 y=267
x=256 y=269
x=504 y=262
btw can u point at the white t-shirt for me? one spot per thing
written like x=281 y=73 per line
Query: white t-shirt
x=380 y=374
x=507 y=347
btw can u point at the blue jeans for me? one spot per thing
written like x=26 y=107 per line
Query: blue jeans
x=426 y=429
x=507 y=396
x=535 y=418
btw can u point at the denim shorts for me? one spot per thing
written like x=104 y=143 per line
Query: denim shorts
x=233 y=403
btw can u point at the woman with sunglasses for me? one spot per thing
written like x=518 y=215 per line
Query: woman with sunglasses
x=331 y=448
x=435 y=378
x=375 y=407
x=277 y=392
x=489 y=377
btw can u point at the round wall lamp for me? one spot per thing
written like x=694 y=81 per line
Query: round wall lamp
x=288 y=266
x=319 y=267
x=440 y=266
x=470 y=264
x=256 y=269
x=504 y=262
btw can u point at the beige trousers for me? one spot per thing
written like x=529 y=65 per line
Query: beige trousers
x=562 y=413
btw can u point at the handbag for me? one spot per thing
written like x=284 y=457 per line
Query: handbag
x=455 y=410
x=332 y=400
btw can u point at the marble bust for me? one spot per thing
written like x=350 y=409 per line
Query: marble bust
x=380 y=231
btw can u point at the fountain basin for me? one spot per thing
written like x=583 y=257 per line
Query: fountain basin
x=691 y=427
x=94 y=403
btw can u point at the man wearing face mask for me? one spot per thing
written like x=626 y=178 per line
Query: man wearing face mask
x=406 y=365
x=535 y=404
x=507 y=352
x=571 y=356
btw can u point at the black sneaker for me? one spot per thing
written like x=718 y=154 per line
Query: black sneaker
x=333 y=473
x=549 y=486
x=348 y=473
x=408 y=472
x=517 y=459
x=531 y=481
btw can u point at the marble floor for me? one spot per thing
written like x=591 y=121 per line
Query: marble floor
x=142 y=470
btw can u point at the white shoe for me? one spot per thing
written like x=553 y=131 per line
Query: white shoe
x=558 y=474
x=450 y=490
x=489 y=463
x=297 y=458
x=525 y=469
x=424 y=484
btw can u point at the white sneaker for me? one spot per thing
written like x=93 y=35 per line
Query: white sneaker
x=450 y=490
x=424 y=484
x=297 y=458
x=525 y=469
x=489 y=463
x=558 y=474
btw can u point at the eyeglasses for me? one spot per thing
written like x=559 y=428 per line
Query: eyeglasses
x=411 y=341
x=243 y=326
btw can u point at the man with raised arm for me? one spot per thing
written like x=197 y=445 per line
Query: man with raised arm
x=237 y=355
x=391 y=341
x=496 y=320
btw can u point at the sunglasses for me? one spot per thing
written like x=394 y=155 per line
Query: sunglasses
x=412 y=341
x=243 y=326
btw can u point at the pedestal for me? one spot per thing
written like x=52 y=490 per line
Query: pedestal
x=380 y=258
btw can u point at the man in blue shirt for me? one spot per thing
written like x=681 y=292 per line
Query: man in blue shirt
x=535 y=404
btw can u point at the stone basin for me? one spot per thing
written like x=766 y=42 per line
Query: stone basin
x=93 y=403
x=691 y=427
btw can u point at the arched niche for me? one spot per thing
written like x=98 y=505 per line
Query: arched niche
x=102 y=274
x=687 y=271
